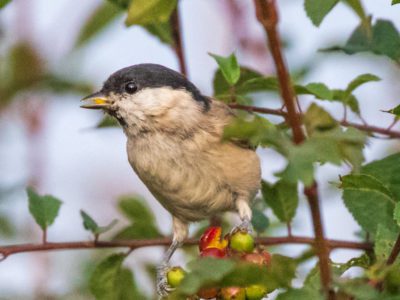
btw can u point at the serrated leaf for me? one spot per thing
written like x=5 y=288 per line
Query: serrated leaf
x=333 y=146
x=360 y=80
x=282 y=197
x=259 y=220
x=3 y=3
x=44 y=209
x=101 y=17
x=318 y=119
x=145 y=12
x=383 y=40
x=106 y=278
x=317 y=9
x=91 y=225
x=369 y=201
x=229 y=67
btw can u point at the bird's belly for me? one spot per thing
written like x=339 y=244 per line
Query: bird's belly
x=188 y=188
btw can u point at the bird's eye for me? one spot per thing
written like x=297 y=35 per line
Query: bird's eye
x=130 y=87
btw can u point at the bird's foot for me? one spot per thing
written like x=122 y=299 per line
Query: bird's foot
x=163 y=288
x=245 y=226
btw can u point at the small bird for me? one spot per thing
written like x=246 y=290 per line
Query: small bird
x=175 y=145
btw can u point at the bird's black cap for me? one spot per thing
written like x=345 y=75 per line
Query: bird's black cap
x=151 y=76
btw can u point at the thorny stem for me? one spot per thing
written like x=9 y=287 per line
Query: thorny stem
x=177 y=36
x=267 y=15
x=6 y=251
x=282 y=113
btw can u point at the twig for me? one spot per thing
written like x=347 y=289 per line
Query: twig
x=6 y=251
x=395 y=252
x=267 y=15
x=282 y=113
x=177 y=36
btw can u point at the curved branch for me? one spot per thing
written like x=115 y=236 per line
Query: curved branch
x=282 y=113
x=6 y=251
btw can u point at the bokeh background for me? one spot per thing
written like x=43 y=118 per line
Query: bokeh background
x=47 y=141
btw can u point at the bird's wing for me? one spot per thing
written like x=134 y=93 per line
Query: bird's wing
x=224 y=112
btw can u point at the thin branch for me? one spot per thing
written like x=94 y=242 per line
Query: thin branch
x=267 y=15
x=6 y=251
x=177 y=36
x=395 y=252
x=279 y=112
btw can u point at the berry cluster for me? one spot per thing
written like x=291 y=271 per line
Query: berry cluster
x=239 y=245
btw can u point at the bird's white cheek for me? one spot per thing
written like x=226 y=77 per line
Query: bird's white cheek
x=130 y=111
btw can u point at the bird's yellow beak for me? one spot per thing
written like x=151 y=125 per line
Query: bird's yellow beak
x=96 y=101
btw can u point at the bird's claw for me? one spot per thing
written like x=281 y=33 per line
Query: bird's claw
x=245 y=226
x=163 y=288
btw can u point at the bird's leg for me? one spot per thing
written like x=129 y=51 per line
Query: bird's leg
x=242 y=205
x=180 y=234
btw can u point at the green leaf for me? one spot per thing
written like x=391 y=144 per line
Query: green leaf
x=105 y=283
x=300 y=294
x=135 y=209
x=282 y=197
x=334 y=146
x=318 y=119
x=145 y=12
x=384 y=242
x=3 y=3
x=360 y=80
x=229 y=67
x=138 y=230
x=394 y=2
x=319 y=90
x=357 y=7
x=394 y=111
x=369 y=201
x=91 y=225
x=163 y=31
x=126 y=287
x=259 y=220
x=142 y=219
x=396 y=214
x=123 y=4
x=317 y=9
x=107 y=121
x=200 y=274
x=101 y=17
x=44 y=209
x=383 y=40
x=6 y=228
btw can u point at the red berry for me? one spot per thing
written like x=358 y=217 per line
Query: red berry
x=233 y=293
x=208 y=293
x=213 y=252
x=211 y=238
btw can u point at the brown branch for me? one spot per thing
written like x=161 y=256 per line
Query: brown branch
x=282 y=113
x=395 y=252
x=267 y=15
x=6 y=251
x=177 y=36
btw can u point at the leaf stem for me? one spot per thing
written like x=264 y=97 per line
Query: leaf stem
x=44 y=236
x=267 y=15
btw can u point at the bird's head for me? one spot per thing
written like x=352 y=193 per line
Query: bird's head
x=148 y=97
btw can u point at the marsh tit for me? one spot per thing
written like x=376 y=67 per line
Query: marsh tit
x=175 y=145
